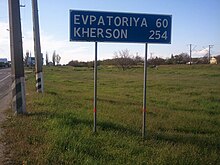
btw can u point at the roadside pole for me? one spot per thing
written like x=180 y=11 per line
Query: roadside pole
x=190 y=53
x=18 y=80
x=145 y=93
x=37 y=49
x=95 y=88
x=209 y=57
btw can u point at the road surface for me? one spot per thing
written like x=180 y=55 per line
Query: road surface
x=5 y=100
x=5 y=82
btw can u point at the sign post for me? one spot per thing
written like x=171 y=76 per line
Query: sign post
x=95 y=88
x=144 y=93
x=96 y=26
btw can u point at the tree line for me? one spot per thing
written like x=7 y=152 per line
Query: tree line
x=30 y=61
x=124 y=59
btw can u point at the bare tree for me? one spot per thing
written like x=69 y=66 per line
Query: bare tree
x=218 y=59
x=138 y=60
x=47 y=61
x=26 y=58
x=54 y=57
x=57 y=59
x=123 y=59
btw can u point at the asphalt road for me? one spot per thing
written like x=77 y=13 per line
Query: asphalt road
x=5 y=82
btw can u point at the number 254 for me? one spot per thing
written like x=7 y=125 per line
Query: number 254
x=157 y=35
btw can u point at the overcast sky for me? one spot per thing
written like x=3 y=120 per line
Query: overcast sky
x=194 y=22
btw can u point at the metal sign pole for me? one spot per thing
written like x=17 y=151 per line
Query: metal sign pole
x=95 y=87
x=144 y=93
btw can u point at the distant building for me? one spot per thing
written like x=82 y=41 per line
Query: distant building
x=189 y=63
x=50 y=64
x=30 y=61
x=4 y=62
x=213 y=60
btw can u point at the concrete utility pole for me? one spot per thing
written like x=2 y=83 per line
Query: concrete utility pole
x=190 y=53
x=37 y=49
x=210 y=46
x=18 y=80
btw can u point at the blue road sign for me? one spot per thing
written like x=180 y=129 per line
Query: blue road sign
x=119 y=27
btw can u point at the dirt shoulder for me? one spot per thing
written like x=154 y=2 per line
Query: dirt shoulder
x=4 y=105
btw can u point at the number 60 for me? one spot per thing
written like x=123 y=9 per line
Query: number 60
x=160 y=22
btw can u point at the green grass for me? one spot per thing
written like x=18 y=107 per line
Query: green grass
x=183 y=117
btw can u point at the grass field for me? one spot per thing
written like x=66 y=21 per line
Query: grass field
x=183 y=117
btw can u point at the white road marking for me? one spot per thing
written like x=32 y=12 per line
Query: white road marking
x=4 y=78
